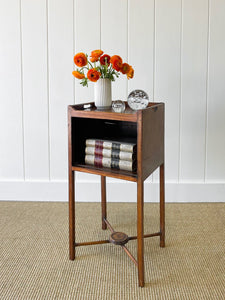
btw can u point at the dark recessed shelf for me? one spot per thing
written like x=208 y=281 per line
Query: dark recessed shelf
x=126 y=175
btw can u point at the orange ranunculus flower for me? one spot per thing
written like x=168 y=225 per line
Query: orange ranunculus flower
x=93 y=75
x=78 y=75
x=95 y=55
x=116 y=62
x=115 y=57
x=80 y=59
x=130 y=74
x=94 y=58
x=105 y=59
x=125 y=68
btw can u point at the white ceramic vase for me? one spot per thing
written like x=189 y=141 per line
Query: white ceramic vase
x=103 y=93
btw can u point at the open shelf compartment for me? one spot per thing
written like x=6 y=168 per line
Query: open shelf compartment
x=103 y=129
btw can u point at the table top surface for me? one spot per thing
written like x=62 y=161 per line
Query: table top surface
x=90 y=110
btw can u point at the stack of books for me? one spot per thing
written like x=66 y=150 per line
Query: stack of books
x=111 y=154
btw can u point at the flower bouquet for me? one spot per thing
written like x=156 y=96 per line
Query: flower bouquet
x=102 y=69
x=100 y=66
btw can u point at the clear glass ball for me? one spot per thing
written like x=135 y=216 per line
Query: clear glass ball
x=138 y=99
x=118 y=106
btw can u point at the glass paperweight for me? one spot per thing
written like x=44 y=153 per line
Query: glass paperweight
x=138 y=99
x=118 y=106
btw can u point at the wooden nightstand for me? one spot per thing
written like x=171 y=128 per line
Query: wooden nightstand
x=146 y=127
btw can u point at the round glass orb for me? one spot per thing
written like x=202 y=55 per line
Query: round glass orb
x=138 y=99
x=118 y=106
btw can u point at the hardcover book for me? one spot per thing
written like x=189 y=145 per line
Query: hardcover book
x=110 y=144
x=111 y=153
x=108 y=162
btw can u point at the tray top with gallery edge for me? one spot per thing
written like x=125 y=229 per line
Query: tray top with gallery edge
x=87 y=110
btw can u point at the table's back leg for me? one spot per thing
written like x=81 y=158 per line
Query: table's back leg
x=140 y=231
x=71 y=215
x=162 y=206
x=103 y=201
x=71 y=192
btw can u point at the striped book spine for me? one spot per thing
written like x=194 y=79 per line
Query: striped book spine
x=108 y=162
x=113 y=145
x=111 y=153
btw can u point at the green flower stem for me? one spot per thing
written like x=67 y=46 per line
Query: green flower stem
x=82 y=69
x=111 y=70
x=90 y=64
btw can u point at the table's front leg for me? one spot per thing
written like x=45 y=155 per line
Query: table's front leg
x=140 y=231
x=103 y=201
x=162 y=206
x=71 y=215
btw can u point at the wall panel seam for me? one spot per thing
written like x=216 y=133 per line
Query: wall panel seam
x=152 y=179
x=180 y=106
x=154 y=56
x=21 y=74
x=100 y=23
x=207 y=93
x=128 y=31
x=74 y=44
x=47 y=87
x=73 y=31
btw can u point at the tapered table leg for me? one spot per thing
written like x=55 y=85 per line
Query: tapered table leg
x=140 y=232
x=162 y=206
x=71 y=215
x=103 y=201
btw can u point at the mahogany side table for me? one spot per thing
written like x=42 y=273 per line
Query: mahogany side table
x=146 y=127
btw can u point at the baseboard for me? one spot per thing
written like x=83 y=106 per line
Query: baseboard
x=118 y=191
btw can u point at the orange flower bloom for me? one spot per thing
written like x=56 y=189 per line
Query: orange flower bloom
x=105 y=59
x=94 y=58
x=78 y=75
x=115 y=57
x=125 y=68
x=130 y=74
x=95 y=55
x=116 y=62
x=80 y=59
x=93 y=75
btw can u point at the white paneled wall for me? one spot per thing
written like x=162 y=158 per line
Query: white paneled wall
x=167 y=74
x=194 y=61
x=60 y=85
x=11 y=93
x=177 y=50
x=215 y=112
